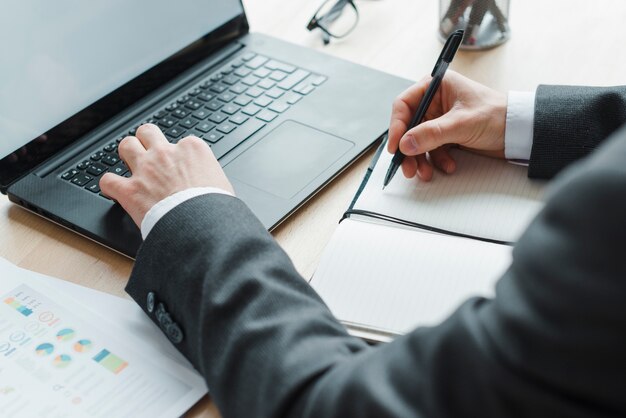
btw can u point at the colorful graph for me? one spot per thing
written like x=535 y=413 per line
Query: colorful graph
x=62 y=361
x=44 y=349
x=82 y=346
x=18 y=306
x=65 y=334
x=110 y=361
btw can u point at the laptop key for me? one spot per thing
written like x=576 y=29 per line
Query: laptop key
x=230 y=109
x=188 y=123
x=278 y=107
x=226 y=128
x=275 y=93
x=96 y=169
x=120 y=169
x=262 y=72
x=293 y=79
x=218 y=88
x=256 y=62
x=201 y=114
x=110 y=147
x=230 y=80
x=110 y=160
x=160 y=114
x=214 y=105
x=267 y=115
x=278 y=75
x=83 y=165
x=229 y=142
x=81 y=179
x=318 y=80
x=248 y=56
x=93 y=188
x=238 y=89
x=243 y=100
x=263 y=101
x=243 y=72
x=239 y=119
x=195 y=92
x=193 y=104
x=237 y=63
x=292 y=98
x=167 y=122
x=180 y=113
x=226 y=97
x=254 y=92
x=218 y=117
x=266 y=84
x=276 y=65
x=205 y=96
x=174 y=132
x=251 y=110
x=69 y=174
x=205 y=127
x=304 y=89
x=250 y=80
x=96 y=156
x=213 y=137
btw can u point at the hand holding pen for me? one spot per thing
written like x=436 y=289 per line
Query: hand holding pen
x=462 y=113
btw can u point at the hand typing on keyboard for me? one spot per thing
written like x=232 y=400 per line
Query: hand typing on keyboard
x=160 y=169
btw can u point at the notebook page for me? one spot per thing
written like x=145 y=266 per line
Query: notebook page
x=394 y=279
x=486 y=197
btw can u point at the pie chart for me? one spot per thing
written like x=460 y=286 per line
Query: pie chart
x=62 y=361
x=65 y=334
x=82 y=346
x=44 y=349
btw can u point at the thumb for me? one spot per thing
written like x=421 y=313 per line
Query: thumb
x=431 y=135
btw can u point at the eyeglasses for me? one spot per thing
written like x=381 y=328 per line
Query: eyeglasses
x=334 y=19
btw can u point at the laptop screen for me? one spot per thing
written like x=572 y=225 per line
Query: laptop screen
x=62 y=56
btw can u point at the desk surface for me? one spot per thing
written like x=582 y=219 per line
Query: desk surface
x=556 y=42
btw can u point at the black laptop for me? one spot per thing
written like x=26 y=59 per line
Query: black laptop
x=283 y=120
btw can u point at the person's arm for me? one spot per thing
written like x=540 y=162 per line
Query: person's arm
x=570 y=122
x=549 y=344
x=566 y=123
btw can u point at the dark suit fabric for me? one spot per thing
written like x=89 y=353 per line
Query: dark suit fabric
x=570 y=122
x=552 y=343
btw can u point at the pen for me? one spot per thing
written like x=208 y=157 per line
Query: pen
x=444 y=60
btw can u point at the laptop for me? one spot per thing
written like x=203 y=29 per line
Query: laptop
x=283 y=120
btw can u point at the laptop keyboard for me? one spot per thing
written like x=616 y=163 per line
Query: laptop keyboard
x=224 y=110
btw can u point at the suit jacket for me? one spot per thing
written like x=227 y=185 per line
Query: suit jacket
x=551 y=343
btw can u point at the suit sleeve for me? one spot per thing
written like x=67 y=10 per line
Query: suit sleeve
x=570 y=122
x=551 y=342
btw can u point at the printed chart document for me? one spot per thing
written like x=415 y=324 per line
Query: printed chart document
x=409 y=255
x=60 y=359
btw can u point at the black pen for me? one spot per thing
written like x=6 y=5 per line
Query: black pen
x=444 y=60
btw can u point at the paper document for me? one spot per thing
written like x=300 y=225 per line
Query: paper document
x=60 y=359
x=486 y=197
x=393 y=279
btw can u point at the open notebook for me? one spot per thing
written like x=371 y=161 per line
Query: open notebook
x=410 y=254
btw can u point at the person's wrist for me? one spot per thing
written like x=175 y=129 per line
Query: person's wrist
x=495 y=121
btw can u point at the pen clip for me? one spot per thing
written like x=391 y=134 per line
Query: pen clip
x=449 y=49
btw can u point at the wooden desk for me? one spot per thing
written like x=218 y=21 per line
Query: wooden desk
x=559 y=42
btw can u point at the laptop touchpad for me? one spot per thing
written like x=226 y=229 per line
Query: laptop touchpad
x=287 y=159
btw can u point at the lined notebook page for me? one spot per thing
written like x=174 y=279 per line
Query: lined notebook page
x=394 y=279
x=486 y=197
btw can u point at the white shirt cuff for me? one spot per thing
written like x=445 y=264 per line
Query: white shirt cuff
x=520 y=117
x=161 y=208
